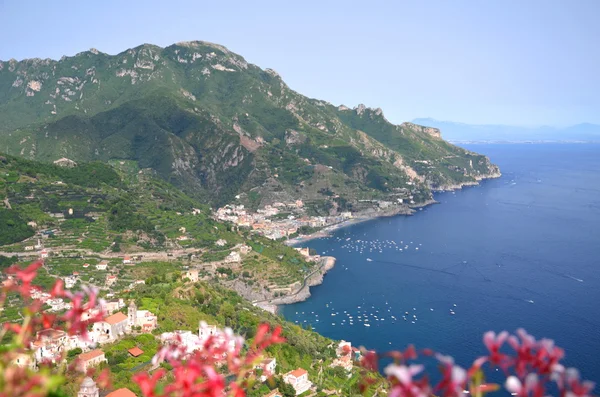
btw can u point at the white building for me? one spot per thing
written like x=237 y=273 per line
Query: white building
x=298 y=379
x=88 y=388
x=233 y=257
x=111 y=328
x=268 y=366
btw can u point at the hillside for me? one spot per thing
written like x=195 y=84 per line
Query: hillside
x=130 y=220
x=209 y=122
x=95 y=212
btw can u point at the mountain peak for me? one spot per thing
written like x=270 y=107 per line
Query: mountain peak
x=200 y=43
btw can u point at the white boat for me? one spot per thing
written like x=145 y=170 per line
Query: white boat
x=369 y=260
x=367 y=325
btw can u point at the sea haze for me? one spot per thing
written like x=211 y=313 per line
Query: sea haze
x=519 y=251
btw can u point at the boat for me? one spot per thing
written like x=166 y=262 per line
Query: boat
x=369 y=260
x=367 y=325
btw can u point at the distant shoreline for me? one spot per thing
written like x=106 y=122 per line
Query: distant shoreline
x=327 y=231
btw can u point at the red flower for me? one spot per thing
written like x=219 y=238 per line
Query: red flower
x=493 y=344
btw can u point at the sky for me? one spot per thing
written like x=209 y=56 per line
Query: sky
x=487 y=62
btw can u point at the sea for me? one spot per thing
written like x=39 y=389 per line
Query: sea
x=520 y=251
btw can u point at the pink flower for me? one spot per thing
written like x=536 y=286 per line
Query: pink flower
x=493 y=344
x=403 y=384
x=454 y=378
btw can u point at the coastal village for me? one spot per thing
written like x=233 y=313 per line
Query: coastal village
x=279 y=220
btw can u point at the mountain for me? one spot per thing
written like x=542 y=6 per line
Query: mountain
x=218 y=127
x=471 y=132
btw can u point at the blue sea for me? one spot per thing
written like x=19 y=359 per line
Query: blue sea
x=519 y=251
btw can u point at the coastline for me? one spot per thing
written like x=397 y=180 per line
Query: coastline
x=327 y=231
x=303 y=293
x=329 y=262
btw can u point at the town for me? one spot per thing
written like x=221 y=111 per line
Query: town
x=279 y=220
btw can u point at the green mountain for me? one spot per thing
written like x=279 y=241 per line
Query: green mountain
x=209 y=122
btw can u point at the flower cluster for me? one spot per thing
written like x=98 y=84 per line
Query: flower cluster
x=529 y=365
x=20 y=373
x=194 y=373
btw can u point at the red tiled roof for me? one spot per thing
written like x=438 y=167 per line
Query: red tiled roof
x=298 y=372
x=123 y=392
x=136 y=351
x=115 y=318
x=90 y=355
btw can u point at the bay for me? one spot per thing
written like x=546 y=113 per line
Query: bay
x=519 y=251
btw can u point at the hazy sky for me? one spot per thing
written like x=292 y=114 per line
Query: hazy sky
x=522 y=62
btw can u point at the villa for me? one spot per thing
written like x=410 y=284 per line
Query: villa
x=298 y=379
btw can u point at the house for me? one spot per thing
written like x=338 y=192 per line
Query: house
x=70 y=282
x=49 y=344
x=183 y=238
x=344 y=362
x=221 y=243
x=245 y=249
x=268 y=366
x=127 y=260
x=103 y=265
x=191 y=275
x=135 y=351
x=205 y=331
x=57 y=304
x=122 y=392
x=113 y=306
x=298 y=379
x=186 y=339
x=110 y=279
x=343 y=348
x=44 y=254
x=32 y=224
x=274 y=393
x=29 y=248
x=112 y=327
x=233 y=257
x=90 y=359
x=86 y=265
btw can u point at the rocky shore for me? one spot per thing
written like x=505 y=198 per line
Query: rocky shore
x=302 y=294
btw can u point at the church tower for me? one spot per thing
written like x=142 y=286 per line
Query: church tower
x=132 y=314
x=88 y=388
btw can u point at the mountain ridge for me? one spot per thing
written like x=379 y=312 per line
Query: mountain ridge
x=211 y=123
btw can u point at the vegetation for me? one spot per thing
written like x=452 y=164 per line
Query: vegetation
x=183 y=116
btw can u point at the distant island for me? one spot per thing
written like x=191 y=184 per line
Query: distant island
x=497 y=133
